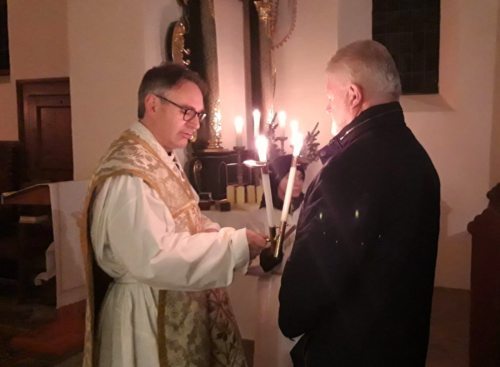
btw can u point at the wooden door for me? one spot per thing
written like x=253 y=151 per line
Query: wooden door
x=45 y=129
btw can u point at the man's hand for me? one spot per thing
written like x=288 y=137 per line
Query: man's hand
x=256 y=243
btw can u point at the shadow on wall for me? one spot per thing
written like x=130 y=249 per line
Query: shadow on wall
x=454 y=255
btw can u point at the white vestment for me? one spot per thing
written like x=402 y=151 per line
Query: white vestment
x=134 y=241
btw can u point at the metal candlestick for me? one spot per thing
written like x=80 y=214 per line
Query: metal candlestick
x=239 y=168
x=281 y=139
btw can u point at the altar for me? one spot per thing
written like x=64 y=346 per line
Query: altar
x=254 y=295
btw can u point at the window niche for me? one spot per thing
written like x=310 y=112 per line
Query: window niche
x=4 y=40
x=410 y=31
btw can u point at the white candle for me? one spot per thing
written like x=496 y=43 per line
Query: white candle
x=294 y=128
x=297 y=141
x=266 y=184
x=282 y=122
x=238 y=126
x=240 y=194
x=262 y=144
x=256 y=123
x=230 y=195
x=270 y=115
x=251 y=194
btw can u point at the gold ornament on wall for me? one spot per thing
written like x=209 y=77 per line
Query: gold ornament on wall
x=264 y=9
x=179 y=53
x=215 y=139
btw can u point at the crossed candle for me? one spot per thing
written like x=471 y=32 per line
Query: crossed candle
x=297 y=141
x=276 y=239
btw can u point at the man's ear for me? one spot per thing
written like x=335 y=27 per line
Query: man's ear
x=356 y=95
x=150 y=103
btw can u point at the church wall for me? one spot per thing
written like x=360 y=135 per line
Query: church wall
x=495 y=134
x=301 y=61
x=231 y=65
x=38 y=49
x=111 y=45
x=455 y=127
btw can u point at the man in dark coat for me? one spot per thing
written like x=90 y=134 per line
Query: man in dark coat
x=358 y=284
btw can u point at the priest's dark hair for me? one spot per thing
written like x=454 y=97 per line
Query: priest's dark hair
x=164 y=77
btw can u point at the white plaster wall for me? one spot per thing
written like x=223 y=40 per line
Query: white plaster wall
x=300 y=65
x=231 y=65
x=111 y=44
x=456 y=127
x=495 y=134
x=38 y=49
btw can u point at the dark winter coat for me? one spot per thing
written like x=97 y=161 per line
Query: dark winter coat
x=359 y=281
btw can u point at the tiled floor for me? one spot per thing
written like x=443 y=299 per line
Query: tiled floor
x=449 y=339
x=448 y=345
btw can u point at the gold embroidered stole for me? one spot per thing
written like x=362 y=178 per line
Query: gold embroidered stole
x=193 y=328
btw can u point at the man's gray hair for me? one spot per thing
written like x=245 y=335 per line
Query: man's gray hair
x=368 y=64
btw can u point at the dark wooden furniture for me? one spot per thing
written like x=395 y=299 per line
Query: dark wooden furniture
x=484 y=347
x=23 y=250
x=211 y=171
x=65 y=334
x=9 y=154
x=44 y=112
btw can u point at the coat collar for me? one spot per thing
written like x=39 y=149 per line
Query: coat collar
x=386 y=114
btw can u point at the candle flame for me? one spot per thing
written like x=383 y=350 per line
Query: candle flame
x=270 y=115
x=256 y=122
x=238 y=124
x=294 y=127
x=297 y=142
x=262 y=144
x=282 y=119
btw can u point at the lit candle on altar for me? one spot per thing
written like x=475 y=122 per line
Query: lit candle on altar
x=270 y=115
x=256 y=123
x=262 y=143
x=297 y=141
x=294 y=128
x=282 y=122
x=238 y=126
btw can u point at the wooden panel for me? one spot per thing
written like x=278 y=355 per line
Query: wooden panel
x=34 y=195
x=45 y=129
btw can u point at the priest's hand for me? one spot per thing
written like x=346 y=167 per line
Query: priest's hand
x=256 y=243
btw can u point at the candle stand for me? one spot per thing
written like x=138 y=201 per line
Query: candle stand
x=239 y=167
x=282 y=140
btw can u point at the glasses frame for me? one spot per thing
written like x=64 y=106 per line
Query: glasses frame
x=186 y=111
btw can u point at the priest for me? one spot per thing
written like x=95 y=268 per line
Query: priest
x=165 y=262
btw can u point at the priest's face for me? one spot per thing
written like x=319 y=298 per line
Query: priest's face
x=338 y=107
x=178 y=115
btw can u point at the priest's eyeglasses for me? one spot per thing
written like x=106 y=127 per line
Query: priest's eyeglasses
x=188 y=113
